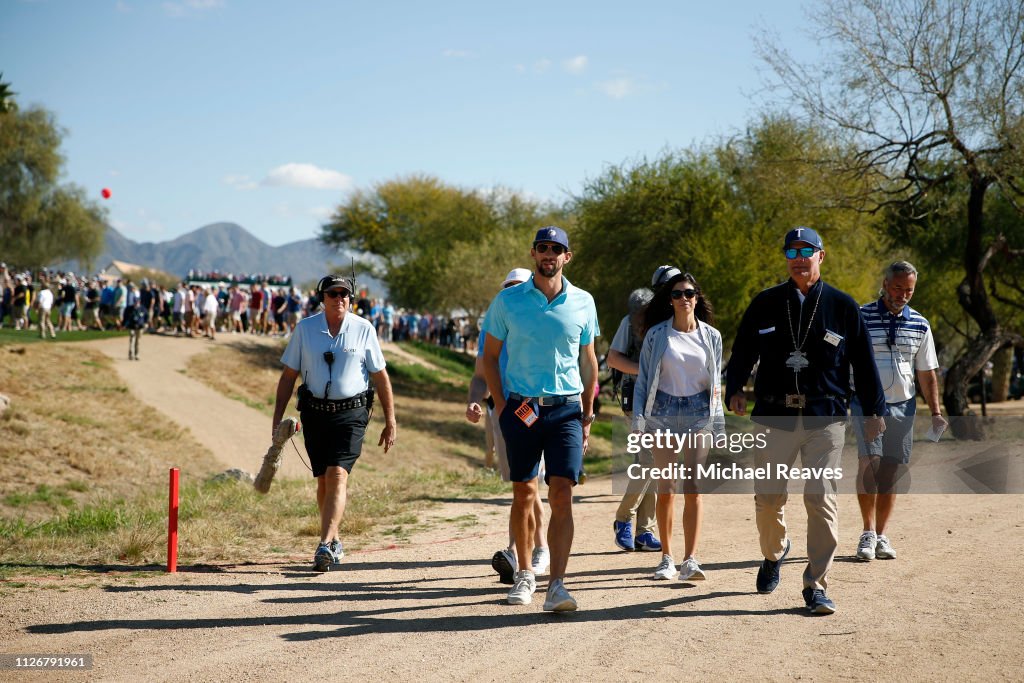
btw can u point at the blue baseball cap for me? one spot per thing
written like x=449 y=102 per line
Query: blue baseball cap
x=802 y=234
x=553 y=234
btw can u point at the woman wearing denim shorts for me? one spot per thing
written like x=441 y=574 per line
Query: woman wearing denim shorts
x=678 y=390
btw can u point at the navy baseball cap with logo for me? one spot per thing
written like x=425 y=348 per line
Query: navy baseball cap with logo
x=802 y=234
x=552 y=234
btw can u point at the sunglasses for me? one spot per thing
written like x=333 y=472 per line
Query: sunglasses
x=556 y=249
x=680 y=293
x=335 y=293
x=805 y=252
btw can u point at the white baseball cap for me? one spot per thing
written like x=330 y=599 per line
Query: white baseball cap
x=516 y=275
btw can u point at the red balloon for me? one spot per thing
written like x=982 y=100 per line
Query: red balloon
x=106 y=193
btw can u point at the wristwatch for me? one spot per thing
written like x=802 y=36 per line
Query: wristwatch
x=588 y=419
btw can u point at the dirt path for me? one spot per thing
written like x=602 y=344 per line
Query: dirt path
x=237 y=435
x=949 y=608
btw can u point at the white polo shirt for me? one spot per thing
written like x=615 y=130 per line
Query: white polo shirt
x=356 y=354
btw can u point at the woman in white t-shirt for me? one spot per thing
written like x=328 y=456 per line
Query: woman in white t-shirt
x=678 y=391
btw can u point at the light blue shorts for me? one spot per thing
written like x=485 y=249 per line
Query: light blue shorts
x=896 y=441
x=680 y=414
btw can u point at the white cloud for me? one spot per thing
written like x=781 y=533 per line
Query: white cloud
x=123 y=7
x=618 y=88
x=520 y=68
x=456 y=54
x=307 y=176
x=542 y=65
x=576 y=65
x=179 y=9
x=240 y=182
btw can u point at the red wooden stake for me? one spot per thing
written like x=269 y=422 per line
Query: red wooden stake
x=172 y=523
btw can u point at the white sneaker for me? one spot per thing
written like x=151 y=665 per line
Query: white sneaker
x=884 y=549
x=558 y=599
x=523 y=588
x=866 y=546
x=540 y=560
x=691 y=571
x=667 y=569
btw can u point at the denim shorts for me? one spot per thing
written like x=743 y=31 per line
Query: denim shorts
x=680 y=414
x=898 y=438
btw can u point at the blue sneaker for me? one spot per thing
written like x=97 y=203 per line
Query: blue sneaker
x=646 y=541
x=323 y=559
x=624 y=535
x=817 y=602
x=768 y=574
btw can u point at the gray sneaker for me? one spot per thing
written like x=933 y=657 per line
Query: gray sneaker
x=666 y=569
x=523 y=588
x=884 y=549
x=691 y=571
x=866 y=546
x=337 y=550
x=540 y=560
x=558 y=599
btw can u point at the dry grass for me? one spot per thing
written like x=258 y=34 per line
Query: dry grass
x=245 y=371
x=73 y=433
x=87 y=464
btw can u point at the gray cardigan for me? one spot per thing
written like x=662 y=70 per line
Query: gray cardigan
x=646 y=387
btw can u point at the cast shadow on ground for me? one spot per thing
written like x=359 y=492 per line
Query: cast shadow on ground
x=407 y=619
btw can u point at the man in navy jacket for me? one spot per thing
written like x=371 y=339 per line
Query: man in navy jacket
x=805 y=335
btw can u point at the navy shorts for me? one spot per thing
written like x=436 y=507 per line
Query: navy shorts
x=334 y=439
x=557 y=434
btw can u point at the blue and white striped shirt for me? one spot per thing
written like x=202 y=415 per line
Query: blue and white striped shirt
x=902 y=343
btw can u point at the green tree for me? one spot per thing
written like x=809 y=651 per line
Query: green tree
x=720 y=214
x=931 y=93
x=439 y=247
x=40 y=220
x=7 y=103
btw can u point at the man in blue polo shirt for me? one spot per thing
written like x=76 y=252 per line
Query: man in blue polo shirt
x=544 y=402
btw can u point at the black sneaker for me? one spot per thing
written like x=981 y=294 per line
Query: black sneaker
x=504 y=562
x=768 y=574
x=817 y=602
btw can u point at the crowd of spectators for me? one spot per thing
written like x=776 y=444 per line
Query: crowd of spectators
x=203 y=305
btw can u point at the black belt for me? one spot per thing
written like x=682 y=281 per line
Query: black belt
x=546 y=400
x=323 y=405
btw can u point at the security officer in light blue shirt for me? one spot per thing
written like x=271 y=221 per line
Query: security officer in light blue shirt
x=336 y=355
x=544 y=402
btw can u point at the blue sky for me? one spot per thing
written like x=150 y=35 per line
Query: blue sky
x=269 y=114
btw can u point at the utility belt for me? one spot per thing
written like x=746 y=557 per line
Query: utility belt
x=307 y=401
x=800 y=400
x=545 y=400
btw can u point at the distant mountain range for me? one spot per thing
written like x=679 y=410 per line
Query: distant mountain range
x=230 y=248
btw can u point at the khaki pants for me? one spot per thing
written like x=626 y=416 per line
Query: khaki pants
x=640 y=498
x=45 y=323
x=821 y=447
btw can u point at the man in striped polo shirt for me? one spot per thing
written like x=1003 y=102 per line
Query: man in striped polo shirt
x=901 y=339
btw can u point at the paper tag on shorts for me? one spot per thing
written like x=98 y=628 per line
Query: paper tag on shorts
x=525 y=413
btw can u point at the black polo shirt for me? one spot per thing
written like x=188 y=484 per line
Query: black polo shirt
x=835 y=340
